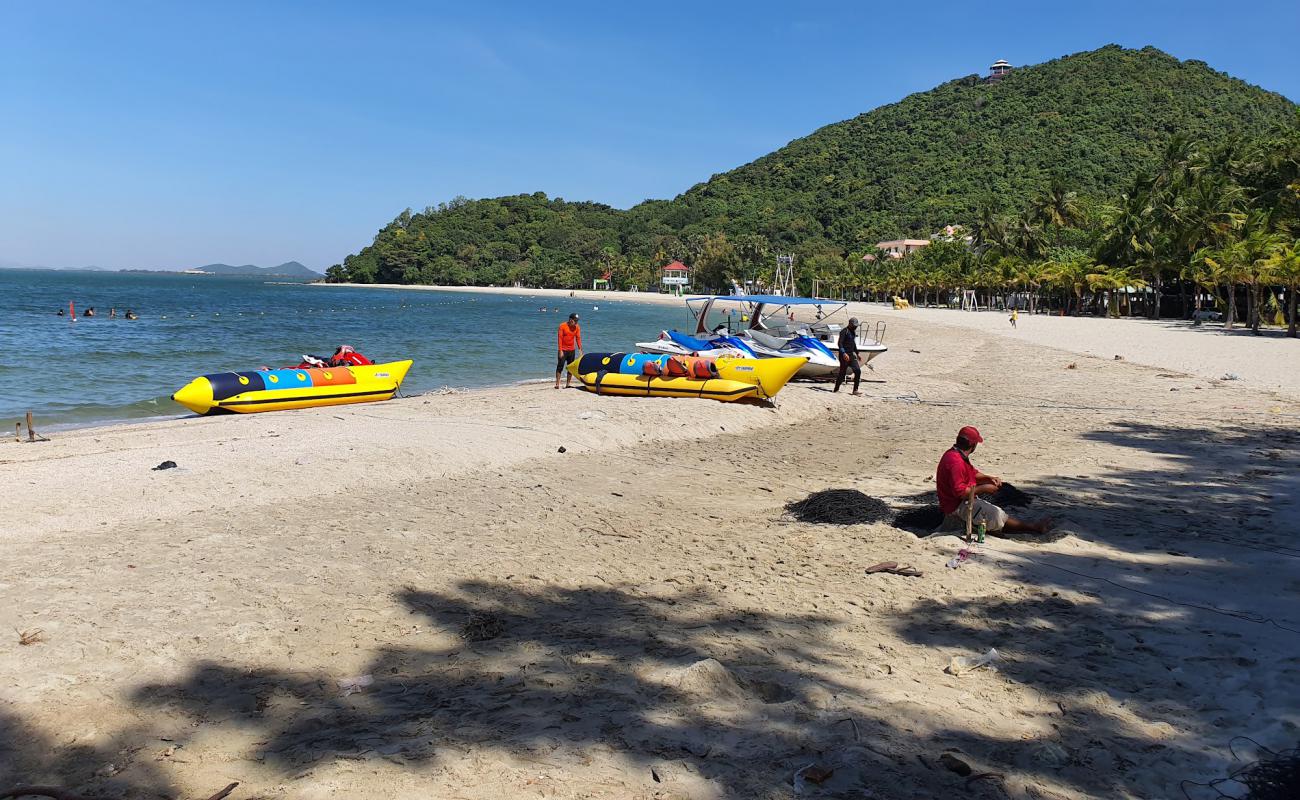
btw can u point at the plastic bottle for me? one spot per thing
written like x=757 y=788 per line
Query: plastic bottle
x=960 y=664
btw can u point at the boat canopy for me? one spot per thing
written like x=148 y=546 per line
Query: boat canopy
x=764 y=306
x=769 y=299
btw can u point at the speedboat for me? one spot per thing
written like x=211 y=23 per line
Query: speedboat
x=768 y=326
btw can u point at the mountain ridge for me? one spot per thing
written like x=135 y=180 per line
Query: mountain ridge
x=1094 y=119
x=289 y=269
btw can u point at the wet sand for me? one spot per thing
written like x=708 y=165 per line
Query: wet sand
x=425 y=598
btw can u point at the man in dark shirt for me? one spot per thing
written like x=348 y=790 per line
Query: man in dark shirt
x=850 y=358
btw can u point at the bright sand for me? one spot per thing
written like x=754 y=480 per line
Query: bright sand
x=424 y=598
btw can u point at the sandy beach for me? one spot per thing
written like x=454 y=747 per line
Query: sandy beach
x=519 y=592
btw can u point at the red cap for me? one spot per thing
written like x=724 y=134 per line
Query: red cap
x=970 y=434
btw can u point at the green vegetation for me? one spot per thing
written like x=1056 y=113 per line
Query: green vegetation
x=1208 y=225
x=1038 y=167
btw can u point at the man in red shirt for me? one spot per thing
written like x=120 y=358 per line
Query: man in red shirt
x=570 y=345
x=953 y=481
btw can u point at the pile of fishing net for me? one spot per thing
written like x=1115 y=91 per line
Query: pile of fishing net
x=921 y=520
x=851 y=507
x=1275 y=776
x=840 y=507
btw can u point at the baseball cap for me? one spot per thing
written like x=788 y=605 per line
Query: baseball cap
x=853 y=322
x=970 y=434
x=573 y=317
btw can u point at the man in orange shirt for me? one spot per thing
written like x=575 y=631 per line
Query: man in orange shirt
x=570 y=341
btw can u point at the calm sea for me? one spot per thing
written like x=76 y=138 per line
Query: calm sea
x=107 y=370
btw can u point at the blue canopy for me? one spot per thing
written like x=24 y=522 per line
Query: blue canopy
x=770 y=299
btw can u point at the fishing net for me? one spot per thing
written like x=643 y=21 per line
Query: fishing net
x=1275 y=776
x=840 y=507
x=1010 y=497
x=922 y=520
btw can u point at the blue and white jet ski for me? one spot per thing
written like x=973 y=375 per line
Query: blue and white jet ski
x=766 y=326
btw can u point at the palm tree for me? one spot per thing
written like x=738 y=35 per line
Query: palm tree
x=1284 y=265
x=1071 y=276
x=1203 y=272
x=1112 y=280
x=1057 y=206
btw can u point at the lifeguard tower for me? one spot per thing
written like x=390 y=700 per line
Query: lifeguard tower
x=602 y=282
x=675 y=277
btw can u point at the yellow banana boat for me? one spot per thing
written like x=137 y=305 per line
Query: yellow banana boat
x=283 y=389
x=737 y=378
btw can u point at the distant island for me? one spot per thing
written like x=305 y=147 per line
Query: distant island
x=289 y=269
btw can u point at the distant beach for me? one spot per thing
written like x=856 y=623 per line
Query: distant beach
x=608 y=295
x=1206 y=350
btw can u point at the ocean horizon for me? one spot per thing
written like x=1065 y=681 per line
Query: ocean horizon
x=103 y=370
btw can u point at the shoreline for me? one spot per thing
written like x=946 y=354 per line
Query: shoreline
x=575 y=294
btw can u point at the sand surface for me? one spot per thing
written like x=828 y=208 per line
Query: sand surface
x=425 y=598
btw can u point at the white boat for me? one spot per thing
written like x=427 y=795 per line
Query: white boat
x=767 y=326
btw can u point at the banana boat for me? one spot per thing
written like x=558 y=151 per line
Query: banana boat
x=647 y=375
x=283 y=389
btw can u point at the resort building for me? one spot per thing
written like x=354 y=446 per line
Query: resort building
x=897 y=248
x=675 y=277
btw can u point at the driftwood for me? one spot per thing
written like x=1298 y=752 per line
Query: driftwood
x=56 y=793
x=32 y=435
x=219 y=795
x=40 y=791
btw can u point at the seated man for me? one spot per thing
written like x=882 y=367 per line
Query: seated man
x=953 y=481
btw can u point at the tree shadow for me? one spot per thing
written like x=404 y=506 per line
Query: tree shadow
x=668 y=683
x=1154 y=657
x=31 y=756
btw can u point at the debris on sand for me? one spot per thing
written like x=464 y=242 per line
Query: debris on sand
x=357 y=683
x=955 y=764
x=31 y=636
x=480 y=627
x=165 y=465
x=840 y=507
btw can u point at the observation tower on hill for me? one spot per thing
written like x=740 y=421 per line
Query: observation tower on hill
x=998 y=70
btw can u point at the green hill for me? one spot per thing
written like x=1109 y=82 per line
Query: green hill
x=1094 y=119
x=289 y=269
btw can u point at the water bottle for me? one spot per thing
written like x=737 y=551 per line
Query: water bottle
x=981 y=528
x=961 y=664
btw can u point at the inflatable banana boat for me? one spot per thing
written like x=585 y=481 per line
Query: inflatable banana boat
x=282 y=389
x=647 y=375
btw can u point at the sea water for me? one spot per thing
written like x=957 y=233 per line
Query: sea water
x=100 y=370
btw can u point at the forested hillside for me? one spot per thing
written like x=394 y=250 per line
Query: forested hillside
x=1091 y=121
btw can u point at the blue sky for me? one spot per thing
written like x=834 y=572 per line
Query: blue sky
x=173 y=134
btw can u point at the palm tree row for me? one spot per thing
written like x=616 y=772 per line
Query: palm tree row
x=1214 y=225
